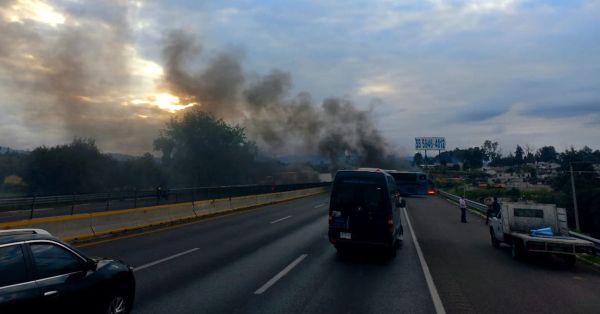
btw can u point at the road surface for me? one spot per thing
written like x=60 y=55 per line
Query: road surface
x=277 y=259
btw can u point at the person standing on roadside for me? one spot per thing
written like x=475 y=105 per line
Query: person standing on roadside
x=495 y=207
x=463 y=209
x=489 y=211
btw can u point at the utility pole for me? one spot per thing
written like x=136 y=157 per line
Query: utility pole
x=574 y=198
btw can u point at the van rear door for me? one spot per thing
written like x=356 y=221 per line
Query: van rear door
x=359 y=209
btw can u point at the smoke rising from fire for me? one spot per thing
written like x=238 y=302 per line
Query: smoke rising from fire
x=277 y=121
x=73 y=78
x=72 y=72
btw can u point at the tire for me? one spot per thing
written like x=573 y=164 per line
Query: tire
x=517 y=250
x=393 y=250
x=118 y=303
x=400 y=239
x=342 y=251
x=495 y=243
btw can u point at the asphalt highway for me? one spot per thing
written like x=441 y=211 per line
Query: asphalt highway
x=473 y=277
x=277 y=259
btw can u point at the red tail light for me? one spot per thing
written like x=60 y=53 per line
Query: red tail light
x=390 y=224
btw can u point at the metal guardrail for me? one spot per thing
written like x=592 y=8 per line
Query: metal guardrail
x=483 y=208
x=78 y=203
x=584 y=237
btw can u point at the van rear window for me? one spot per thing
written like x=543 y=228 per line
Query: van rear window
x=350 y=193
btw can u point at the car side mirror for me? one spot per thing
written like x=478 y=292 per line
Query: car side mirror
x=91 y=265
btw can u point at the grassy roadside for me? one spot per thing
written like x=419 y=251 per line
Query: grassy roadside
x=592 y=259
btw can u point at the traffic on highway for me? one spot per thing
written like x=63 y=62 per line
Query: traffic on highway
x=304 y=156
x=279 y=259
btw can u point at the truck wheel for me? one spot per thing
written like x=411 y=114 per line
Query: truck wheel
x=495 y=243
x=569 y=260
x=518 y=250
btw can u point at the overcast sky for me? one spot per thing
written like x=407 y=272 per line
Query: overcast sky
x=513 y=71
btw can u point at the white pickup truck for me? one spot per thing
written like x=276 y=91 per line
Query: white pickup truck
x=513 y=225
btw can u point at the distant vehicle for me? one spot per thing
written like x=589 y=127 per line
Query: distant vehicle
x=431 y=189
x=41 y=274
x=513 y=225
x=410 y=182
x=364 y=210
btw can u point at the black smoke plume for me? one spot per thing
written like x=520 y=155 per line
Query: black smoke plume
x=277 y=121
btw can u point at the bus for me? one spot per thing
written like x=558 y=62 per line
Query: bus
x=411 y=182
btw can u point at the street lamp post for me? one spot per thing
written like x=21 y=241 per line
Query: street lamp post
x=574 y=197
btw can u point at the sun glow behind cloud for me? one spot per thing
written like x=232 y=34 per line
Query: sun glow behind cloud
x=33 y=10
x=162 y=100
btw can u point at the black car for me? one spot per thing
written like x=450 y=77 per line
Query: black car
x=41 y=274
x=364 y=210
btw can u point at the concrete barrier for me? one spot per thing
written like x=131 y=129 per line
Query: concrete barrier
x=83 y=226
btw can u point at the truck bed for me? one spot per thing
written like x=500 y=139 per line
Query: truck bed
x=554 y=244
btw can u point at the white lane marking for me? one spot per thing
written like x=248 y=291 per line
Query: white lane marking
x=435 y=297
x=320 y=205
x=280 y=219
x=162 y=260
x=280 y=275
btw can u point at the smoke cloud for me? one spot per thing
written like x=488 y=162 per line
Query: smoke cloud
x=276 y=120
x=75 y=75
x=72 y=73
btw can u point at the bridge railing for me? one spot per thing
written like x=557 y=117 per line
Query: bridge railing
x=49 y=205
x=482 y=208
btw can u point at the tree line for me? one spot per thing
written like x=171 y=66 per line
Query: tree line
x=196 y=150
x=584 y=162
x=490 y=153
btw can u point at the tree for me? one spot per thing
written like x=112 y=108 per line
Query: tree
x=529 y=157
x=418 y=159
x=490 y=150
x=140 y=173
x=546 y=154
x=200 y=150
x=519 y=155
x=77 y=167
x=587 y=186
x=473 y=158
x=12 y=164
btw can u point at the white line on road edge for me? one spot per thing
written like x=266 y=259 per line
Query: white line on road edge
x=164 y=259
x=320 y=205
x=282 y=273
x=280 y=219
x=435 y=297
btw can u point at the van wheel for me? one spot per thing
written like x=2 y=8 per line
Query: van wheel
x=341 y=250
x=393 y=250
x=495 y=243
x=400 y=240
x=517 y=250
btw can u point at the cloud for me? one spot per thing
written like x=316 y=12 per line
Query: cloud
x=375 y=89
x=480 y=112
x=68 y=73
x=564 y=109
